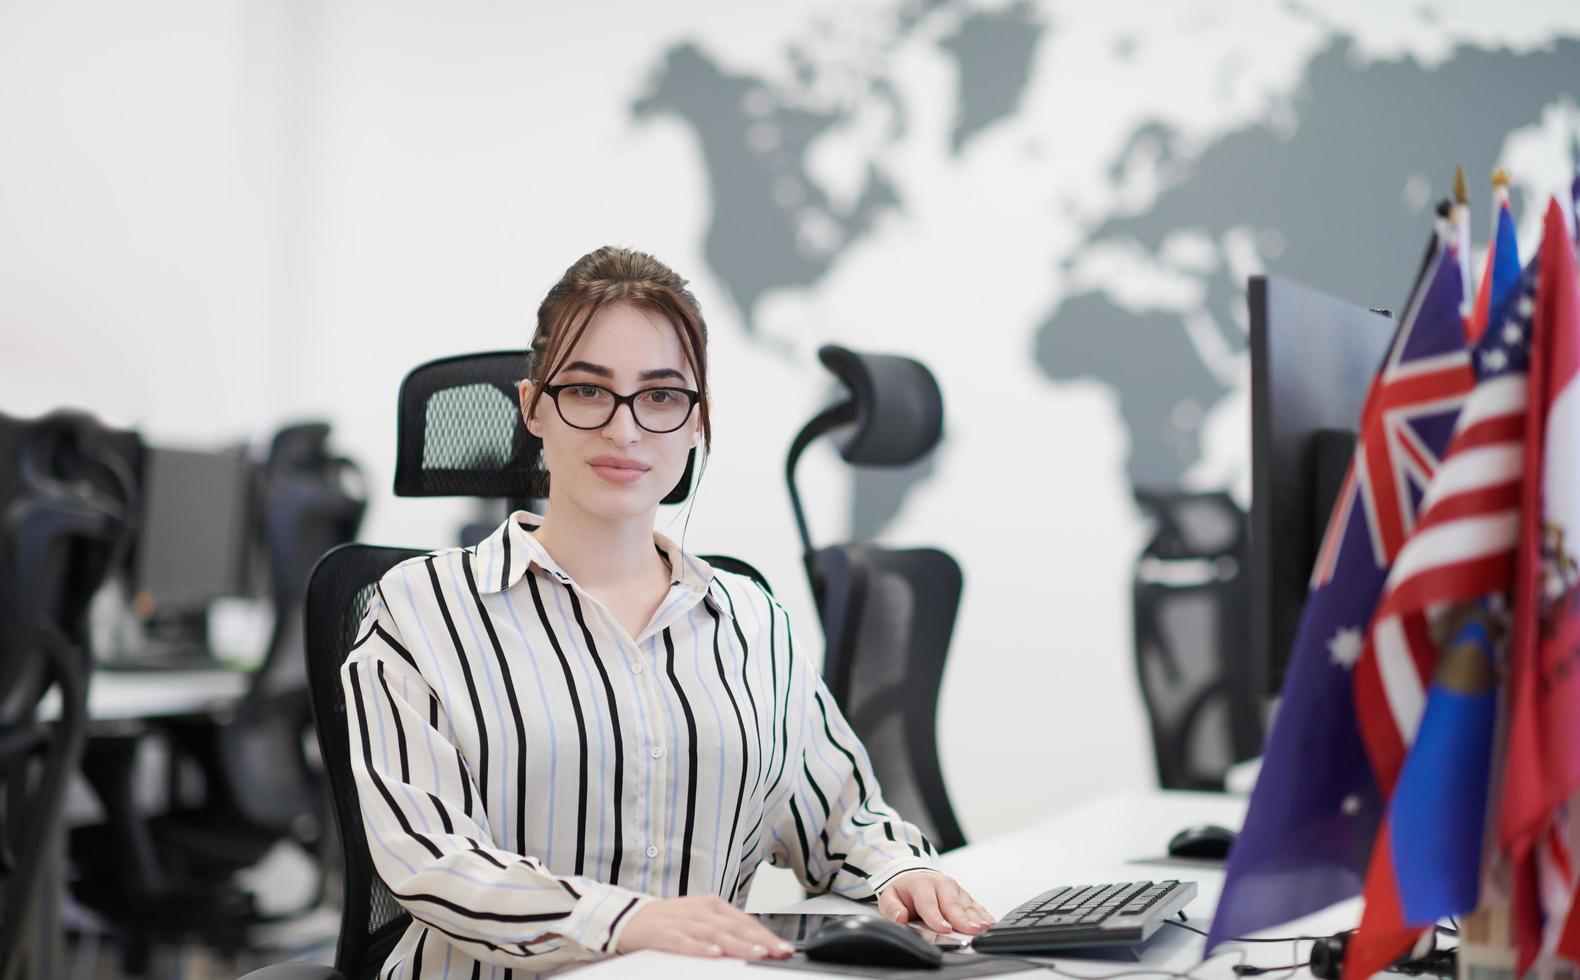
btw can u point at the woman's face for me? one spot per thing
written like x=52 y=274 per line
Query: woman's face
x=619 y=470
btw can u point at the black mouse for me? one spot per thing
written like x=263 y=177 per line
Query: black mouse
x=1208 y=841
x=867 y=940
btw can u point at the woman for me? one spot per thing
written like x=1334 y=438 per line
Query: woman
x=575 y=739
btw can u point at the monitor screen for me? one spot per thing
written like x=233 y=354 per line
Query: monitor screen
x=192 y=543
x=1312 y=359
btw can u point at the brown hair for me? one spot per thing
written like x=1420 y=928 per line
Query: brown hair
x=617 y=275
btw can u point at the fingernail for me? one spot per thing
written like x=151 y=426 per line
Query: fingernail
x=715 y=951
x=759 y=950
x=786 y=948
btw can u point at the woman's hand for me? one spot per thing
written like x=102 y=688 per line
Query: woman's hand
x=700 y=925
x=936 y=900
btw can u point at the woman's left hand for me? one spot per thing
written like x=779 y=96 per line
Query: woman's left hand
x=936 y=900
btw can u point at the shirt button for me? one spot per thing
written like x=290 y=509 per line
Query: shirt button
x=652 y=851
x=636 y=668
x=655 y=751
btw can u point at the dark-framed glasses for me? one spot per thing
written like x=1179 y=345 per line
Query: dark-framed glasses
x=590 y=406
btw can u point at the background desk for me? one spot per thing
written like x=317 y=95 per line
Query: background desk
x=1119 y=838
x=131 y=695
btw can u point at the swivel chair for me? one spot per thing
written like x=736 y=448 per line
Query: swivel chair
x=58 y=537
x=887 y=614
x=1192 y=649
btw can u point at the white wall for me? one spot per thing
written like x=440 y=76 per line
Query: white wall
x=217 y=215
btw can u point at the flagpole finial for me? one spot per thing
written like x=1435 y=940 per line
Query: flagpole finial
x=1500 y=179
x=1461 y=194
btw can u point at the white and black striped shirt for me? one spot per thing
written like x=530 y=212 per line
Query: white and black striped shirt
x=528 y=770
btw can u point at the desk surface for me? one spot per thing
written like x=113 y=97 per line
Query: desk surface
x=128 y=695
x=1119 y=838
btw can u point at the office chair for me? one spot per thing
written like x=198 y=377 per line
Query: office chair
x=1192 y=644
x=58 y=537
x=338 y=593
x=887 y=613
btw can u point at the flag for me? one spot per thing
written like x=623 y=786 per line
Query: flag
x=1315 y=809
x=1427 y=720
x=1462 y=241
x=1502 y=273
x=1541 y=766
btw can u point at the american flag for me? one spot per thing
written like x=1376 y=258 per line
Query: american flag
x=1463 y=546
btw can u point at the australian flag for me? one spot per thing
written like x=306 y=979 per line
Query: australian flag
x=1316 y=807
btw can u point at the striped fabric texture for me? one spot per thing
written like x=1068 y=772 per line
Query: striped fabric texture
x=530 y=774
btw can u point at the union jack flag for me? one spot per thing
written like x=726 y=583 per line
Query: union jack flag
x=1463 y=547
x=1410 y=407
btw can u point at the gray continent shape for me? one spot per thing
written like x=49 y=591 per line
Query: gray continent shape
x=993 y=52
x=752 y=241
x=1333 y=190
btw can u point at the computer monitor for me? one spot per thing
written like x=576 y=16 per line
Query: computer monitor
x=194 y=531
x=1312 y=359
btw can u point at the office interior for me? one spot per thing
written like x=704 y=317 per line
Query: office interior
x=231 y=229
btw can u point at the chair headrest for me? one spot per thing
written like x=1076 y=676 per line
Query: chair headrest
x=459 y=431
x=298 y=447
x=899 y=409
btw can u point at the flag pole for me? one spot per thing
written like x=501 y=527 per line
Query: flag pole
x=1461 y=218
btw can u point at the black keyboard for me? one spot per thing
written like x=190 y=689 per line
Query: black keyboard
x=1122 y=914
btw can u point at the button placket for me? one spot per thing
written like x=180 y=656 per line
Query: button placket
x=656 y=801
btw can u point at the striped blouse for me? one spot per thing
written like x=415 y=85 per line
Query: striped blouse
x=530 y=774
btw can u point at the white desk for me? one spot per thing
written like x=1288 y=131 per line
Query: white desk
x=1107 y=840
x=130 y=695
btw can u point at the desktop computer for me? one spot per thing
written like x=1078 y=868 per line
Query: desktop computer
x=193 y=547
x=1312 y=359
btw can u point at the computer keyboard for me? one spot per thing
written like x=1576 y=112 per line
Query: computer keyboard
x=1120 y=914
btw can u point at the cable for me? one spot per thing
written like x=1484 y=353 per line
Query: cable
x=1251 y=939
x=1178 y=975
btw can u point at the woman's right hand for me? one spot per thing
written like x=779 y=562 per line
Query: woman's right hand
x=700 y=925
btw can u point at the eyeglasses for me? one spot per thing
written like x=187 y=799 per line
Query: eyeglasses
x=588 y=406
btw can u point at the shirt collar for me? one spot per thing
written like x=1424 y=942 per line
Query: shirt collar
x=510 y=551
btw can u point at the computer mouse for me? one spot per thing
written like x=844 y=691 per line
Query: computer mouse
x=1207 y=841
x=867 y=940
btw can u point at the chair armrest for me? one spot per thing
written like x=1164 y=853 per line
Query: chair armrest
x=295 y=971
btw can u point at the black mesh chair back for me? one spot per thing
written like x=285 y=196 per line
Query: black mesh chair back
x=893 y=612
x=59 y=535
x=338 y=594
x=459 y=432
x=311 y=501
x=1192 y=642
x=887 y=614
